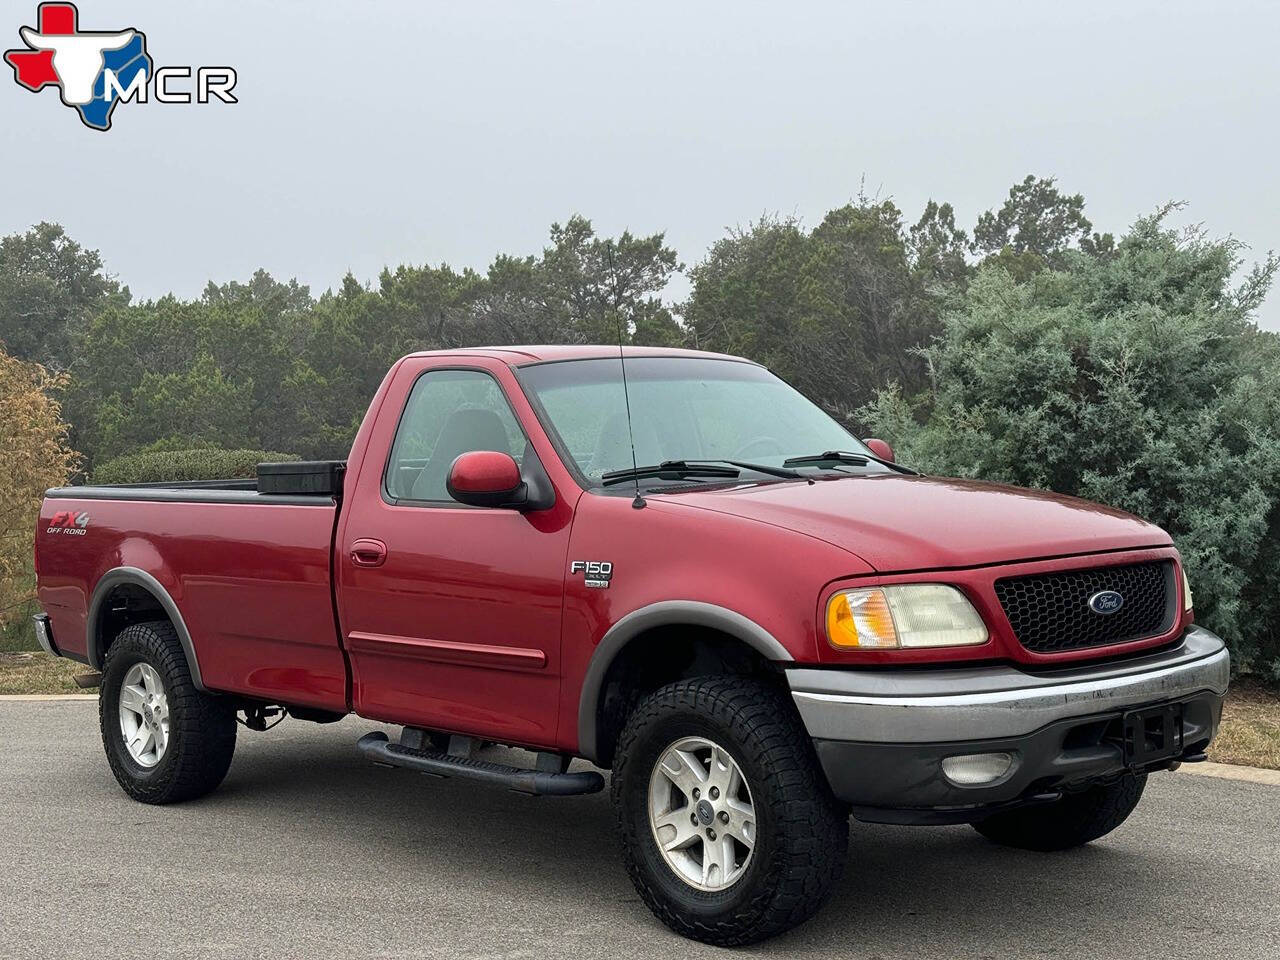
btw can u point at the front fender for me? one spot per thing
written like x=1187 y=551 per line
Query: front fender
x=663 y=613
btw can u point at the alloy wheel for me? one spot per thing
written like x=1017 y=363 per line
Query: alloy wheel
x=701 y=813
x=144 y=715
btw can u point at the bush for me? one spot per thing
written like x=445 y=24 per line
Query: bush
x=1135 y=378
x=33 y=437
x=161 y=466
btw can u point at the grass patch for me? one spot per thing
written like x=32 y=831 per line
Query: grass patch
x=39 y=673
x=16 y=630
x=1250 y=731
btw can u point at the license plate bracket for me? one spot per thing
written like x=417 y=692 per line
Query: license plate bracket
x=1152 y=734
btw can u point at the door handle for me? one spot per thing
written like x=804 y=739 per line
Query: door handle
x=368 y=553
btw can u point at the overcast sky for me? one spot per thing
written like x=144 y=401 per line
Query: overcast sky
x=389 y=132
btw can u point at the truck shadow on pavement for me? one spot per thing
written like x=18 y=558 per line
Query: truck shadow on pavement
x=929 y=891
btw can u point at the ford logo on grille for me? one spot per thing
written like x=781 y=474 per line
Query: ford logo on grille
x=1106 y=602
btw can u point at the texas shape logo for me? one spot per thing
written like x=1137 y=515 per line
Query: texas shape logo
x=97 y=70
x=93 y=69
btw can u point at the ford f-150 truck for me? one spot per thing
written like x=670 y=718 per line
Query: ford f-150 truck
x=672 y=565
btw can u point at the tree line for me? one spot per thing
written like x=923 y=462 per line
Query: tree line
x=1028 y=348
x=837 y=309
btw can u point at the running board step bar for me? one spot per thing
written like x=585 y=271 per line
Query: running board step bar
x=437 y=763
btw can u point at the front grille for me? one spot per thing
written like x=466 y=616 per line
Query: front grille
x=1050 y=612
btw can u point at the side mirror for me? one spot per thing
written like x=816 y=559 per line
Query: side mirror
x=880 y=449
x=486 y=478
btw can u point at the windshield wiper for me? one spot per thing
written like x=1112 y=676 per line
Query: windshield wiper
x=668 y=470
x=758 y=468
x=676 y=469
x=831 y=456
x=834 y=458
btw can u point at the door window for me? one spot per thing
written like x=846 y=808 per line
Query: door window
x=448 y=413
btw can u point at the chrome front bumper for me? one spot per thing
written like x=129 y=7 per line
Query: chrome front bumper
x=987 y=703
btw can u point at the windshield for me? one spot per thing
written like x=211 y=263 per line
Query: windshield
x=682 y=408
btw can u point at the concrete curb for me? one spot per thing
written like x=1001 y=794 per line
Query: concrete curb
x=1231 y=771
x=45 y=697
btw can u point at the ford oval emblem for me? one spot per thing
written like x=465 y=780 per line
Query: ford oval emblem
x=1106 y=602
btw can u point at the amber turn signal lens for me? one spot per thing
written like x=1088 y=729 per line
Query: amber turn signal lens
x=860 y=618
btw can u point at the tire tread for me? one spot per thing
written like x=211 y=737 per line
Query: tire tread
x=812 y=826
x=1073 y=821
x=202 y=729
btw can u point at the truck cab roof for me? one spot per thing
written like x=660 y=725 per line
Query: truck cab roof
x=523 y=355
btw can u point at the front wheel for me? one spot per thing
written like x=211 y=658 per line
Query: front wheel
x=166 y=741
x=1076 y=819
x=730 y=832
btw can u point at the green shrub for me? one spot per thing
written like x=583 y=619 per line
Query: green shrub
x=1135 y=378
x=160 y=466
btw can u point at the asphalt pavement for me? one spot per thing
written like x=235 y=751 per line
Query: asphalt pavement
x=309 y=851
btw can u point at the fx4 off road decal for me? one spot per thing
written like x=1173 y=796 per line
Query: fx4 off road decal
x=69 y=524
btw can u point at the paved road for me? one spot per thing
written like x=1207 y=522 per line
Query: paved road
x=307 y=851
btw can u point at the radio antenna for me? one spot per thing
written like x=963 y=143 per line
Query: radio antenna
x=638 y=502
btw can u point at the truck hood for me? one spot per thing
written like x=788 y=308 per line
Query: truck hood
x=898 y=523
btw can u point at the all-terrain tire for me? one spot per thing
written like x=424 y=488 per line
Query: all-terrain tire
x=801 y=829
x=202 y=727
x=1076 y=819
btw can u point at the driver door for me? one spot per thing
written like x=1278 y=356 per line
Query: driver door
x=451 y=613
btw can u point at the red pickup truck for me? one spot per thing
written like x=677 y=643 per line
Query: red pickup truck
x=672 y=565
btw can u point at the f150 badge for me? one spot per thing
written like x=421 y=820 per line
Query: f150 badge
x=596 y=573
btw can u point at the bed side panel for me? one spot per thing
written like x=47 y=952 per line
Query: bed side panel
x=251 y=581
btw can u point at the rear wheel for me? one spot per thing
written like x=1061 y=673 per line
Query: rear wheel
x=730 y=831
x=1076 y=819
x=165 y=740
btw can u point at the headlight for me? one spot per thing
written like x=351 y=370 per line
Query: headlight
x=1186 y=593
x=903 y=615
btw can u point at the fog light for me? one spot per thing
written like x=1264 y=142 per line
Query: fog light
x=974 y=769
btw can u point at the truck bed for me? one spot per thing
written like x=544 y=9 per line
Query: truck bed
x=189 y=491
x=249 y=572
x=298 y=482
